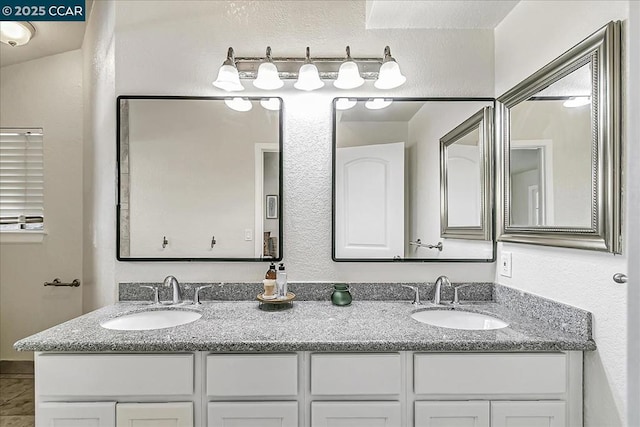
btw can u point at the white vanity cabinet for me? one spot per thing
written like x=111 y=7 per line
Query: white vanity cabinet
x=452 y=414
x=167 y=414
x=76 y=414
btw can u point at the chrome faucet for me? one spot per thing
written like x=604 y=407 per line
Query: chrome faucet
x=177 y=294
x=439 y=282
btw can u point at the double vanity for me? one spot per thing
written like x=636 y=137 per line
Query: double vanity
x=503 y=359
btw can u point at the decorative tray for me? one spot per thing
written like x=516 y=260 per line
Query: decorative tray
x=290 y=297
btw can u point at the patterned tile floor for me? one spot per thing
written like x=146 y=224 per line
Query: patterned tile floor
x=17 y=407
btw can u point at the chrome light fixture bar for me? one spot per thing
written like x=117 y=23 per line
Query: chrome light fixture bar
x=347 y=72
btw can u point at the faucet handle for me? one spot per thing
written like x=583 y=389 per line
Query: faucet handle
x=156 y=294
x=416 y=295
x=456 y=299
x=196 y=293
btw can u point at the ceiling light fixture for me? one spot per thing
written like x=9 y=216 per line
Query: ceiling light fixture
x=348 y=74
x=268 y=78
x=16 y=33
x=577 y=101
x=308 y=76
x=390 y=76
x=239 y=104
x=345 y=103
x=378 y=103
x=272 y=104
x=228 y=77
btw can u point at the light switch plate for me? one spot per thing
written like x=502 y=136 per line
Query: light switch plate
x=248 y=234
x=505 y=264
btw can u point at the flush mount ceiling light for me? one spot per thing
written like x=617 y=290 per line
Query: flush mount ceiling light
x=16 y=33
x=228 y=78
x=349 y=73
x=390 y=76
x=577 y=101
x=272 y=104
x=378 y=103
x=239 y=104
x=345 y=103
x=268 y=78
x=308 y=76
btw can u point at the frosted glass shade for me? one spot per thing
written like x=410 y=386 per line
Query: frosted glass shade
x=239 y=104
x=268 y=78
x=378 y=103
x=16 y=33
x=348 y=76
x=390 y=76
x=228 y=79
x=345 y=104
x=272 y=104
x=308 y=78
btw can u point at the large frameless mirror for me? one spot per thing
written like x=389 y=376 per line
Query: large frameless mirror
x=386 y=180
x=560 y=174
x=199 y=179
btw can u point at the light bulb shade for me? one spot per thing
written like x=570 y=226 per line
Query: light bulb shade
x=577 y=101
x=239 y=104
x=16 y=33
x=345 y=104
x=228 y=79
x=348 y=76
x=308 y=78
x=272 y=104
x=390 y=76
x=268 y=78
x=378 y=103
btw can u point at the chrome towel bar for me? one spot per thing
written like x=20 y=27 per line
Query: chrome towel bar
x=57 y=282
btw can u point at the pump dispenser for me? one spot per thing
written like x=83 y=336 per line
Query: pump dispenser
x=281 y=282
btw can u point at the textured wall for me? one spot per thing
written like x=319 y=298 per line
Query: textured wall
x=45 y=93
x=533 y=34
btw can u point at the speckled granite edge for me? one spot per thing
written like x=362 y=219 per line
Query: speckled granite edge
x=307 y=291
x=564 y=317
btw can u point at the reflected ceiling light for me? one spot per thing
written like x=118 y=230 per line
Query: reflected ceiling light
x=239 y=104
x=345 y=103
x=577 y=101
x=272 y=104
x=268 y=78
x=348 y=74
x=16 y=33
x=308 y=77
x=378 y=103
x=228 y=77
x=390 y=76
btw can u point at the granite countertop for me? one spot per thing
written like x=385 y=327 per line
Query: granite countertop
x=240 y=326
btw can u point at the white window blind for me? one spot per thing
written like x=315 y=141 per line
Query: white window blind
x=21 y=179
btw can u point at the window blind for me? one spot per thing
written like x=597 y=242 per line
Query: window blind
x=21 y=179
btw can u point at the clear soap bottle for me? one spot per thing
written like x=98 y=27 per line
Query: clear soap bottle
x=281 y=281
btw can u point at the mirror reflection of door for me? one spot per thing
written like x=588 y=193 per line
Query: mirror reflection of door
x=370 y=201
x=463 y=181
x=532 y=185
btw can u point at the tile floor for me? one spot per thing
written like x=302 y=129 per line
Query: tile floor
x=17 y=407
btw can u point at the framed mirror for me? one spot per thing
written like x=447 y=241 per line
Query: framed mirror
x=465 y=179
x=199 y=179
x=386 y=180
x=560 y=165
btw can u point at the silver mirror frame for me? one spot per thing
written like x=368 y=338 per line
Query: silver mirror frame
x=603 y=50
x=483 y=120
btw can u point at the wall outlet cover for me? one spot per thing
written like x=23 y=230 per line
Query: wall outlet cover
x=505 y=264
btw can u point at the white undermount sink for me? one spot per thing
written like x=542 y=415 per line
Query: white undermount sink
x=456 y=319
x=147 y=320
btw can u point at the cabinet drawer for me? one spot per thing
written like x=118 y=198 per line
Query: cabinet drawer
x=252 y=414
x=114 y=374
x=356 y=414
x=490 y=373
x=252 y=375
x=355 y=374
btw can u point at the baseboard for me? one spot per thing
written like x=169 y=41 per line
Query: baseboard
x=16 y=366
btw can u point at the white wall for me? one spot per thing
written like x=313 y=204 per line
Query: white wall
x=533 y=34
x=171 y=47
x=45 y=93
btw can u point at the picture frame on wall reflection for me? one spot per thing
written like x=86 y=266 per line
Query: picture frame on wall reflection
x=272 y=207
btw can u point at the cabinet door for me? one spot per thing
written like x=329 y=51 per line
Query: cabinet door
x=179 y=414
x=452 y=414
x=529 y=414
x=252 y=414
x=355 y=414
x=80 y=414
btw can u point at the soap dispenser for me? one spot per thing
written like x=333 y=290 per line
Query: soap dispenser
x=281 y=281
x=269 y=283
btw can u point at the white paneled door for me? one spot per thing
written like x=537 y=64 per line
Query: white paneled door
x=452 y=414
x=168 y=414
x=528 y=414
x=76 y=414
x=369 y=221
